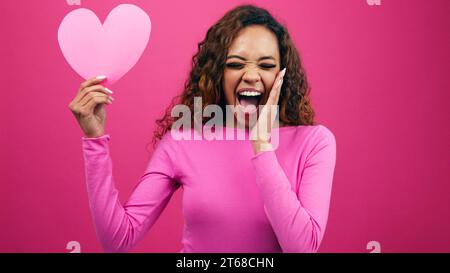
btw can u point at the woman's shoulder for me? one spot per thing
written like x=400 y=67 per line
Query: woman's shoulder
x=167 y=142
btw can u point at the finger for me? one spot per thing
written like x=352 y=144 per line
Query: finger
x=277 y=98
x=94 y=88
x=89 y=106
x=283 y=72
x=92 y=95
x=98 y=88
x=274 y=93
x=90 y=82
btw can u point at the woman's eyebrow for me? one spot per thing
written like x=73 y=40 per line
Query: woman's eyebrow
x=244 y=59
x=266 y=58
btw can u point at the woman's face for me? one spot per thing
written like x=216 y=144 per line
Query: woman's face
x=252 y=64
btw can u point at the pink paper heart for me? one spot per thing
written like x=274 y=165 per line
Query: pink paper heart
x=111 y=49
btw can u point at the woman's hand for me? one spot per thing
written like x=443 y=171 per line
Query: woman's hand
x=260 y=132
x=88 y=106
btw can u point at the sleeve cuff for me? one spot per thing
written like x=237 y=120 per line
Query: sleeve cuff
x=105 y=136
x=95 y=145
x=262 y=156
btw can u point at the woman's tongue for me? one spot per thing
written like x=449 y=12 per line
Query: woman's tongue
x=250 y=104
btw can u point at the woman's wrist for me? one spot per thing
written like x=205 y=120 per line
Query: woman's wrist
x=260 y=146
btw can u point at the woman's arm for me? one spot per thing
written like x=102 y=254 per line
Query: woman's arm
x=119 y=227
x=298 y=218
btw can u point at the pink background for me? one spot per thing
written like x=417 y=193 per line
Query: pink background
x=380 y=82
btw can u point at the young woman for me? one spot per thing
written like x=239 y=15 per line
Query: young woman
x=238 y=195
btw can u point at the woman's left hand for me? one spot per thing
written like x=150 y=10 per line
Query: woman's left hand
x=260 y=132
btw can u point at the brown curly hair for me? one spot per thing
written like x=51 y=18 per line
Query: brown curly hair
x=205 y=79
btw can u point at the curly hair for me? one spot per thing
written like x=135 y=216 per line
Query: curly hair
x=205 y=79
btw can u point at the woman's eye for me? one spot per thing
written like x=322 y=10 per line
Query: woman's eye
x=234 y=65
x=239 y=65
x=267 y=66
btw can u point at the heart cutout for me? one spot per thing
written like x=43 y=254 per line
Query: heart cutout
x=111 y=49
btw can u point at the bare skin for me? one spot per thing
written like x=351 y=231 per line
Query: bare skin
x=88 y=106
x=253 y=62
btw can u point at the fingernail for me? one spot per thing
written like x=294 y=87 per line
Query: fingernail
x=101 y=77
x=283 y=72
x=107 y=90
x=111 y=98
x=280 y=82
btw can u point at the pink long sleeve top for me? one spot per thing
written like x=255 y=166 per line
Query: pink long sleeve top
x=233 y=200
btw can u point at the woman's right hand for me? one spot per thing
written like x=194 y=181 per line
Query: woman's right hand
x=88 y=106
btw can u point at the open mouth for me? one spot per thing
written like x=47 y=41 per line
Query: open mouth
x=248 y=100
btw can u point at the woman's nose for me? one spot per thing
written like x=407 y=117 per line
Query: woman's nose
x=251 y=75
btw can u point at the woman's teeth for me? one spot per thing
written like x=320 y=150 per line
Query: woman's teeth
x=250 y=93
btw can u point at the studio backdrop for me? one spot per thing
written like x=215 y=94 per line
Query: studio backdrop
x=379 y=77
